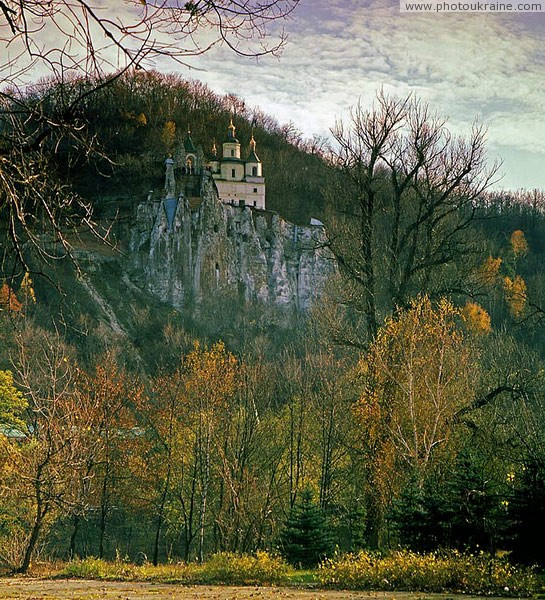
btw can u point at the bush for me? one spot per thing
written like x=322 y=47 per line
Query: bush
x=244 y=569
x=474 y=574
x=221 y=568
x=88 y=568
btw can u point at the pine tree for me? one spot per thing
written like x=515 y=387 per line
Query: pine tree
x=305 y=539
x=527 y=516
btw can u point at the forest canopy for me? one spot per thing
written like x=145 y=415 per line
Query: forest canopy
x=406 y=409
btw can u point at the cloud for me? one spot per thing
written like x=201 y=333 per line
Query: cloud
x=467 y=66
x=340 y=52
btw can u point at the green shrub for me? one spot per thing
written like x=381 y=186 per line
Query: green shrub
x=88 y=568
x=96 y=568
x=435 y=572
x=170 y=573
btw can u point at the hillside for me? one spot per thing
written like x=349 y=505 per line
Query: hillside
x=144 y=115
x=218 y=372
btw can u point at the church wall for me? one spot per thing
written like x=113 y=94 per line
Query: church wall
x=249 y=170
x=227 y=171
x=231 y=150
x=234 y=191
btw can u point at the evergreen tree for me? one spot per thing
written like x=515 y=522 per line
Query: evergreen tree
x=305 y=539
x=527 y=516
x=461 y=513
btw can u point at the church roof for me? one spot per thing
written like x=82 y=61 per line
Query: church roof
x=232 y=159
x=231 y=139
x=253 y=157
x=189 y=146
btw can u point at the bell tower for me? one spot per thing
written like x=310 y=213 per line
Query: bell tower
x=231 y=146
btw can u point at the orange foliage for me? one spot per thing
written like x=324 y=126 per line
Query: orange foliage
x=476 y=318
x=515 y=295
x=519 y=243
x=8 y=299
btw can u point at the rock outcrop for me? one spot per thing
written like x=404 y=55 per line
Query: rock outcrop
x=185 y=250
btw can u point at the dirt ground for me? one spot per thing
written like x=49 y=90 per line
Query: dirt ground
x=78 y=589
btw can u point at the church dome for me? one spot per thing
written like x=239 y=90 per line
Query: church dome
x=231 y=138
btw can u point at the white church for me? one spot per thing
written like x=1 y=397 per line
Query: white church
x=239 y=180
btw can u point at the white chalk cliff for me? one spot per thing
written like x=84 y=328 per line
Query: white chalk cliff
x=206 y=249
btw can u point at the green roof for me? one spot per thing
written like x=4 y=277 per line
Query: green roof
x=253 y=157
x=189 y=146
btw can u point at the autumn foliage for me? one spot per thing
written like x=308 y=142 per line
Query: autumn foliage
x=519 y=243
x=476 y=318
x=417 y=375
x=515 y=294
x=8 y=299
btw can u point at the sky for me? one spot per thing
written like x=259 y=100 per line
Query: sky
x=489 y=67
x=473 y=66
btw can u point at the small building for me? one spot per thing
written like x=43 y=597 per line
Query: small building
x=239 y=180
x=189 y=158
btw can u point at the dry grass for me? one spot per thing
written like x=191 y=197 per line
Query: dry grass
x=35 y=589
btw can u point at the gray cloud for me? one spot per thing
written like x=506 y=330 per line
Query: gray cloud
x=340 y=52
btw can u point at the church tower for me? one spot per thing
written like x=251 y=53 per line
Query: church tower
x=253 y=164
x=231 y=146
x=239 y=181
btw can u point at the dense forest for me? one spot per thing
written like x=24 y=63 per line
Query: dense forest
x=406 y=409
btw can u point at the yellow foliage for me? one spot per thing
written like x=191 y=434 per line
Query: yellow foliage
x=488 y=272
x=515 y=295
x=403 y=570
x=27 y=290
x=476 y=318
x=169 y=133
x=141 y=119
x=211 y=374
x=138 y=119
x=416 y=376
x=519 y=243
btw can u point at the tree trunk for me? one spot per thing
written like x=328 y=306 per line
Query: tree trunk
x=41 y=510
x=75 y=530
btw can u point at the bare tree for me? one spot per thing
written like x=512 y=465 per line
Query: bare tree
x=80 y=47
x=410 y=190
x=52 y=452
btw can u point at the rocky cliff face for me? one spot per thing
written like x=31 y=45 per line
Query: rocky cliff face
x=187 y=250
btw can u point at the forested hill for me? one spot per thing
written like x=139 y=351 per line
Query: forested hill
x=140 y=117
x=407 y=407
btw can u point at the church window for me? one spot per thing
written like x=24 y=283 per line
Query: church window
x=255 y=190
x=233 y=173
x=254 y=171
x=232 y=152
